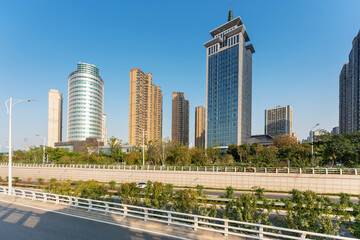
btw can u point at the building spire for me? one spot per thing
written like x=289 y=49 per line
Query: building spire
x=230 y=17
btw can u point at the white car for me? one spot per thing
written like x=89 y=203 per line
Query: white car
x=141 y=185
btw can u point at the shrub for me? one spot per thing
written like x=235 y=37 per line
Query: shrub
x=40 y=180
x=200 y=189
x=16 y=179
x=28 y=180
x=259 y=193
x=229 y=192
x=1 y=179
x=112 y=184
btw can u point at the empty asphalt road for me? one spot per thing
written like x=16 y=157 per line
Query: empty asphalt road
x=20 y=222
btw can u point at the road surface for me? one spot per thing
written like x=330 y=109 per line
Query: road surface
x=20 y=222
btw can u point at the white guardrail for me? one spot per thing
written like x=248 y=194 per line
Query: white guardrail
x=195 y=222
x=340 y=171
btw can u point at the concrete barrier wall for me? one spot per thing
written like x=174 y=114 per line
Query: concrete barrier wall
x=270 y=181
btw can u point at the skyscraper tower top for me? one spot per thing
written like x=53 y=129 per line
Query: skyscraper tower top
x=230 y=17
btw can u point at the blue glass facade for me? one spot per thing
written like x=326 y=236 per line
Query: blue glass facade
x=222 y=100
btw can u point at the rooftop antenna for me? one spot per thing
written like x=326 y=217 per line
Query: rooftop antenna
x=230 y=17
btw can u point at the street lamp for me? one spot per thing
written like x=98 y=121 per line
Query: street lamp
x=44 y=138
x=9 y=111
x=312 y=140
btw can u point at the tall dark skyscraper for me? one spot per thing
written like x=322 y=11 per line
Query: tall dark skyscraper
x=180 y=119
x=349 y=87
x=228 y=84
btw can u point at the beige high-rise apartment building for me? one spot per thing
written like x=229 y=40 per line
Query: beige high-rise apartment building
x=54 y=117
x=145 y=108
x=180 y=118
x=200 y=115
x=278 y=120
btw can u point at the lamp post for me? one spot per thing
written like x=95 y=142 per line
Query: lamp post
x=44 y=138
x=312 y=140
x=9 y=111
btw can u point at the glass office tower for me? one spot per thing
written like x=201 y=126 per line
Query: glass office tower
x=228 y=85
x=85 y=103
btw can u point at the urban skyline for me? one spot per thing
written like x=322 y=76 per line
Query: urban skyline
x=115 y=110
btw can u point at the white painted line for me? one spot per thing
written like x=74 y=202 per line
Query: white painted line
x=97 y=220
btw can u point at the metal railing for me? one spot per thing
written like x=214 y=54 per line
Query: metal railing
x=338 y=171
x=195 y=222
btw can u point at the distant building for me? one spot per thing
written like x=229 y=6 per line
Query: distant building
x=104 y=129
x=335 y=130
x=295 y=135
x=126 y=148
x=312 y=135
x=228 y=84
x=145 y=108
x=265 y=140
x=55 y=107
x=85 y=103
x=278 y=121
x=349 y=88
x=180 y=119
x=77 y=146
x=200 y=118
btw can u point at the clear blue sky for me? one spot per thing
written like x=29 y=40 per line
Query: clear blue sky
x=300 y=49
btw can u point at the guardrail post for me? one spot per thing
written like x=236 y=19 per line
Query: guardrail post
x=189 y=168
x=205 y=169
x=90 y=205
x=313 y=170
x=181 y=168
x=197 y=169
x=217 y=169
x=276 y=170
x=33 y=196
x=225 y=169
x=196 y=223
x=300 y=170
x=355 y=171
x=254 y=169
x=169 y=218
x=226 y=228
x=261 y=230
x=106 y=208
x=146 y=214
x=288 y=170
x=244 y=169
x=57 y=200
x=45 y=198
x=136 y=167
x=235 y=169
x=213 y=169
x=340 y=171
x=326 y=171
x=125 y=211
x=303 y=235
x=265 y=170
